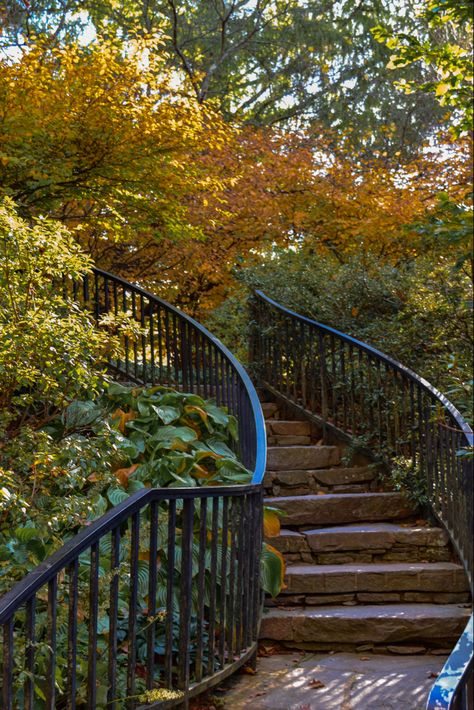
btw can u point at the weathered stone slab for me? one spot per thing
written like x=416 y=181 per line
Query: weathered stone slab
x=289 y=541
x=344 y=476
x=376 y=577
x=288 y=440
x=278 y=427
x=341 y=508
x=373 y=537
x=391 y=623
x=285 y=458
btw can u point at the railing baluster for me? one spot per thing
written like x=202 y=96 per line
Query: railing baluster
x=152 y=581
x=51 y=667
x=73 y=571
x=113 y=616
x=201 y=584
x=223 y=582
x=185 y=594
x=29 y=688
x=132 y=607
x=232 y=564
x=169 y=594
x=93 y=617
x=213 y=583
x=7 y=690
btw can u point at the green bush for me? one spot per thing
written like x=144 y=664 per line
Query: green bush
x=50 y=349
x=419 y=312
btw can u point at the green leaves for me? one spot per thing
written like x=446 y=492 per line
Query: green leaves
x=80 y=414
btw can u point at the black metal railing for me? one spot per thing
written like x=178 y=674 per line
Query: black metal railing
x=162 y=593
x=355 y=391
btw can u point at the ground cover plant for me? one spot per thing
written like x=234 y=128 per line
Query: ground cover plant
x=74 y=444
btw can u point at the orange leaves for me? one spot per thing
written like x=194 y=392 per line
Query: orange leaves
x=123 y=418
x=123 y=474
x=271 y=523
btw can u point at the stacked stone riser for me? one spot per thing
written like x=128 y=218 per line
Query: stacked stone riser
x=363 y=571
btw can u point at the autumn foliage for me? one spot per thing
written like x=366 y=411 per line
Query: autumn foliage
x=158 y=188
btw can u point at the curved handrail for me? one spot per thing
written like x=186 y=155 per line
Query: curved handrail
x=255 y=408
x=427 y=386
x=349 y=387
x=173 y=350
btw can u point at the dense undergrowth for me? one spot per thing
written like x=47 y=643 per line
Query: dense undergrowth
x=418 y=312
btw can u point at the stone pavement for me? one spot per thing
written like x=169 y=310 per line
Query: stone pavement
x=339 y=681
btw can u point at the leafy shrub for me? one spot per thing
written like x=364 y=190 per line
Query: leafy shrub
x=419 y=312
x=90 y=458
x=50 y=349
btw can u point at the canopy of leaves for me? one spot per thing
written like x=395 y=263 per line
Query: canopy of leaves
x=442 y=43
x=265 y=61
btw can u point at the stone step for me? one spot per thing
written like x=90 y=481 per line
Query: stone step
x=367 y=542
x=376 y=577
x=283 y=427
x=286 y=458
x=375 y=536
x=345 y=626
x=269 y=409
x=337 y=508
x=342 y=480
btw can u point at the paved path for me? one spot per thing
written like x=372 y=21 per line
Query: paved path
x=342 y=681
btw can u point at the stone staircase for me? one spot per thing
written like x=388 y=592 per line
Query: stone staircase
x=363 y=571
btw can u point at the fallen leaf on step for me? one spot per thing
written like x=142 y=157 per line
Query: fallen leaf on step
x=321 y=493
x=248 y=670
x=315 y=684
x=422 y=522
x=364 y=658
x=432 y=674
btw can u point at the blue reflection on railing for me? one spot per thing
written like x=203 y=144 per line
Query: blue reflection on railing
x=453 y=677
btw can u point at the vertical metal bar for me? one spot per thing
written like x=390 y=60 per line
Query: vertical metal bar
x=334 y=398
x=29 y=687
x=185 y=595
x=113 y=616
x=93 y=616
x=73 y=571
x=135 y=348
x=97 y=296
x=132 y=605
x=213 y=581
x=85 y=286
x=143 y=338
x=323 y=378
x=152 y=342
x=240 y=576
x=51 y=667
x=160 y=342
x=152 y=578
x=7 y=690
x=126 y=340
x=232 y=563
x=223 y=580
x=342 y=361
x=352 y=391
x=246 y=574
x=169 y=594
x=201 y=584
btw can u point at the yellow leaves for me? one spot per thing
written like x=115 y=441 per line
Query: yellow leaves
x=123 y=418
x=442 y=89
x=123 y=474
x=271 y=523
